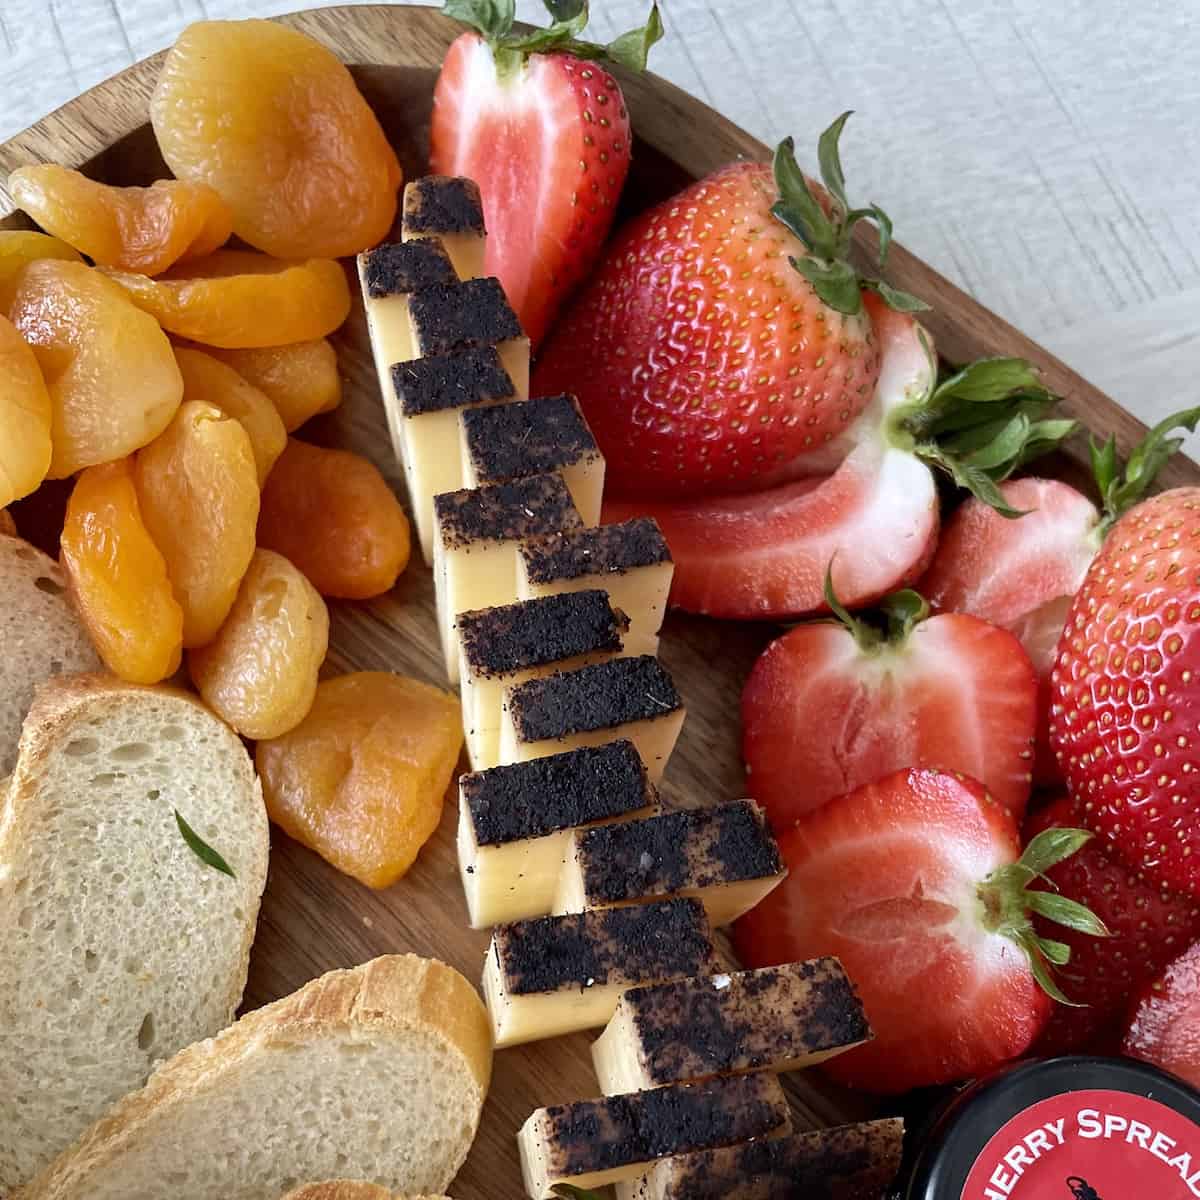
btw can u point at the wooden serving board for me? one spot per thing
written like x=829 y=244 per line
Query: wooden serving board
x=314 y=919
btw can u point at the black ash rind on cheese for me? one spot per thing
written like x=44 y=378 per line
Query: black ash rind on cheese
x=444 y=381
x=587 y=699
x=456 y=316
x=615 y=1131
x=533 y=633
x=606 y=946
x=527 y=437
x=743 y=1021
x=440 y=204
x=562 y=791
x=850 y=1162
x=692 y=849
x=400 y=268
x=505 y=511
x=603 y=549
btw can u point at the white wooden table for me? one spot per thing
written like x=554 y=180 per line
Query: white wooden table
x=1041 y=153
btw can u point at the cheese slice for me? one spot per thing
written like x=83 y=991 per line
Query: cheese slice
x=535 y=437
x=476 y=533
x=447 y=209
x=774 y=1019
x=632 y=698
x=514 y=822
x=507 y=645
x=554 y=975
x=430 y=393
x=630 y=561
x=848 y=1162
x=615 y=1139
x=726 y=856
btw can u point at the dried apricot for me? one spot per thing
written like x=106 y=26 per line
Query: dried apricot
x=24 y=417
x=362 y=778
x=134 y=228
x=20 y=247
x=333 y=515
x=260 y=674
x=108 y=367
x=210 y=381
x=119 y=578
x=301 y=380
x=198 y=491
x=273 y=120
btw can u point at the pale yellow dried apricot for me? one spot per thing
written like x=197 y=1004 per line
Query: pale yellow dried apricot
x=260 y=673
x=197 y=487
x=301 y=379
x=24 y=417
x=118 y=577
x=142 y=229
x=273 y=120
x=20 y=247
x=108 y=367
x=362 y=778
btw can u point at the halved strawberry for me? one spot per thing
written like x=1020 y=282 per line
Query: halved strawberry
x=876 y=517
x=916 y=882
x=544 y=131
x=1148 y=926
x=1164 y=1023
x=833 y=705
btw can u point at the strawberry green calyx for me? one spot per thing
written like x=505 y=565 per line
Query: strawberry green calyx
x=1008 y=903
x=898 y=615
x=573 y=1193
x=1121 y=489
x=981 y=423
x=824 y=224
x=494 y=20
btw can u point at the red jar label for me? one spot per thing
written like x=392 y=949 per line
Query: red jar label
x=1090 y=1145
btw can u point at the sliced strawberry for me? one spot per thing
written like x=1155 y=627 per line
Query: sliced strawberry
x=546 y=136
x=914 y=883
x=1148 y=926
x=831 y=706
x=1164 y=1023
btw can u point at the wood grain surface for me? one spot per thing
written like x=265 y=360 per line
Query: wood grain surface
x=314 y=919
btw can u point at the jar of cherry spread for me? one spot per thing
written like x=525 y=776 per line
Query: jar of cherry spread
x=1075 y=1128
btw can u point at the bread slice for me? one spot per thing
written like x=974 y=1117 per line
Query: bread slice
x=347 y=1189
x=40 y=636
x=377 y=1073
x=118 y=945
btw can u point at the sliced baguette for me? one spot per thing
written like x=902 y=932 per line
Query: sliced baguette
x=347 y=1189
x=118 y=945
x=40 y=635
x=376 y=1073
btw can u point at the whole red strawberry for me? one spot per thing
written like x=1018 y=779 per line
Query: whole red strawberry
x=723 y=337
x=543 y=129
x=1125 y=691
x=1147 y=926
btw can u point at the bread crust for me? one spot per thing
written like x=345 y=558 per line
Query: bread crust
x=8 y=527
x=348 y=1189
x=392 y=995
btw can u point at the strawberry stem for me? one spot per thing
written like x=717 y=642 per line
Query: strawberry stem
x=901 y=613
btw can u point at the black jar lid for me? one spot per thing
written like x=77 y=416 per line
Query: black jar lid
x=1072 y=1128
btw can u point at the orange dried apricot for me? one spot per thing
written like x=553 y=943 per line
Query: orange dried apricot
x=236 y=298
x=198 y=491
x=134 y=228
x=20 y=247
x=301 y=380
x=273 y=120
x=362 y=778
x=210 y=381
x=24 y=417
x=108 y=367
x=118 y=577
x=332 y=513
x=260 y=674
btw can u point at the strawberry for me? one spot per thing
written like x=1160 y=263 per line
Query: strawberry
x=1022 y=574
x=1148 y=926
x=917 y=883
x=544 y=131
x=1163 y=1023
x=833 y=705
x=766 y=554
x=703 y=361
